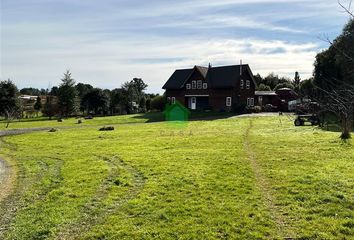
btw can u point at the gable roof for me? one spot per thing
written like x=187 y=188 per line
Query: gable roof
x=217 y=77
x=177 y=79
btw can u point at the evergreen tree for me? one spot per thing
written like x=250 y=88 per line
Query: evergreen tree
x=67 y=95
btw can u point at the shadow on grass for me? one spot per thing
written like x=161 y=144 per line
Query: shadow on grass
x=195 y=116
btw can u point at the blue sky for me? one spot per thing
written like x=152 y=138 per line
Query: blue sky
x=108 y=42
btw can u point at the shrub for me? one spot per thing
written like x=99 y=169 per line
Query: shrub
x=53 y=130
x=158 y=103
x=107 y=129
x=79 y=121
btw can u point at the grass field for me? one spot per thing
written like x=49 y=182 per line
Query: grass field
x=240 y=178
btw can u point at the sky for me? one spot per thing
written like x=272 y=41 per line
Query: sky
x=108 y=42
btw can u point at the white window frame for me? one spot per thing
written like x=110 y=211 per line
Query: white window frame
x=242 y=83
x=188 y=86
x=194 y=84
x=248 y=84
x=173 y=100
x=228 y=101
x=199 y=84
x=205 y=85
x=250 y=102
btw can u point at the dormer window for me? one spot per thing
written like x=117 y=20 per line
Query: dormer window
x=194 y=84
x=200 y=84
x=188 y=86
x=205 y=85
x=242 y=84
x=248 y=84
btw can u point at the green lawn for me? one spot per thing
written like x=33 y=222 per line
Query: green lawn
x=241 y=178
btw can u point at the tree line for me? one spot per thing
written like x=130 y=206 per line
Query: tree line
x=273 y=82
x=73 y=99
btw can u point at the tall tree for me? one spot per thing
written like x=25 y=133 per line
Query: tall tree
x=334 y=78
x=67 y=95
x=133 y=92
x=8 y=96
x=9 y=103
x=96 y=100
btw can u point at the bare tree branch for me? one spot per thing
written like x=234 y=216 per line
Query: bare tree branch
x=347 y=9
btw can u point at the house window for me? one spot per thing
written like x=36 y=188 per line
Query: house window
x=250 y=102
x=205 y=85
x=168 y=100
x=260 y=100
x=194 y=84
x=248 y=84
x=188 y=86
x=228 y=101
x=199 y=84
x=242 y=84
x=173 y=101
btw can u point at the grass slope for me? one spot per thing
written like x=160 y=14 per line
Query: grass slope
x=236 y=178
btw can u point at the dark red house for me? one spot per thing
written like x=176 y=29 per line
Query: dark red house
x=213 y=88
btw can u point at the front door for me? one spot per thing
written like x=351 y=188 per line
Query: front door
x=193 y=103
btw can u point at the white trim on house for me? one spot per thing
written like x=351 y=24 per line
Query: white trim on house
x=194 y=84
x=188 y=86
x=228 y=101
x=250 y=102
x=199 y=84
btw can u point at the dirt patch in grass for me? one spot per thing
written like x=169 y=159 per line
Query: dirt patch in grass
x=285 y=230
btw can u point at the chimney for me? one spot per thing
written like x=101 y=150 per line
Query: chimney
x=241 y=67
x=210 y=65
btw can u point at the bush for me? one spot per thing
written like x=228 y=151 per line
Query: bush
x=106 y=129
x=79 y=121
x=158 y=103
x=53 y=130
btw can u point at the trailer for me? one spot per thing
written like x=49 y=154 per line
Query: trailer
x=311 y=118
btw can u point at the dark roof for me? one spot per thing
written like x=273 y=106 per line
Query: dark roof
x=217 y=77
x=177 y=79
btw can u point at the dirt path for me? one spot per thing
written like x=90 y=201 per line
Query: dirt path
x=7 y=178
x=284 y=228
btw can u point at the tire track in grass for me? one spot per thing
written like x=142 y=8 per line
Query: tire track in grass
x=14 y=201
x=284 y=228
x=95 y=211
x=18 y=200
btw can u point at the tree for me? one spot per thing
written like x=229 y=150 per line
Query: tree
x=133 y=92
x=263 y=87
x=158 y=103
x=38 y=104
x=96 y=100
x=50 y=108
x=8 y=96
x=296 y=82
x=258 y=79
x=30 y=91
x=307 y=88
x=9 y=104
x=67 y=95
x=334 y=78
